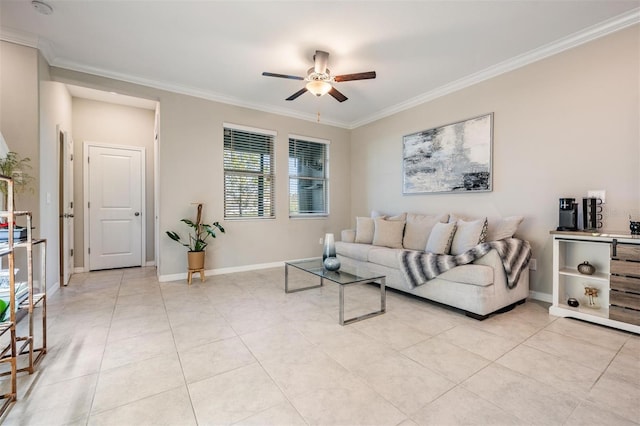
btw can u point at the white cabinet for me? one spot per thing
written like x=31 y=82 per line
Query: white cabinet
x=570 y=249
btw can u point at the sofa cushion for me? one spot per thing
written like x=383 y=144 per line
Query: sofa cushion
x=354 y=250
x=468 y=235
x=388 y=233
x=364 y=230
x=348 y=235
x=506 y=227
x=480 y=275
x=385 y=256
x=439 y=241
x=418 y=229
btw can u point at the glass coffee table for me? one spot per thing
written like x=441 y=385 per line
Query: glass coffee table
x=343 y=277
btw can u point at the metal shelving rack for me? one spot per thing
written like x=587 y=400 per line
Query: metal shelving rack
x=22 y=345
x=9 y=353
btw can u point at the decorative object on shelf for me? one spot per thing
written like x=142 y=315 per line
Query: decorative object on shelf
x=586 y=268
x=197 y=241
x=331 y=263
x=573 y=302
x=329 y=249
x=17 y=169
x=634 y=226
x=592 y=295
x=451 y=158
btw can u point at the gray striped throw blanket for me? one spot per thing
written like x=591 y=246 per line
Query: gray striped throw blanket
x=419 y=267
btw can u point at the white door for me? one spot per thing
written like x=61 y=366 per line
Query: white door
x=115 y=200
x=66 y=206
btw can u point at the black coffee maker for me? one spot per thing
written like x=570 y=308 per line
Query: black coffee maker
x=568 y=215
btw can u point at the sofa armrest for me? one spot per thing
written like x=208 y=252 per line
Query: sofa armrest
x=348 y=235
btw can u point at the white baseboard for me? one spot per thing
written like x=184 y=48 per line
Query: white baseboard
x=51 y=289
x=221 y=271
x=78 y=270
x=543 y=297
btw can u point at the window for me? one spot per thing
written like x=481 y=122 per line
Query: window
x=249 y=183
x=308 y=176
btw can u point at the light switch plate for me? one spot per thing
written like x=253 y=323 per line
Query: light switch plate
x=597 y=193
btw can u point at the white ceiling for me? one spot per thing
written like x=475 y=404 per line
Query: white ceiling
x=218 y=49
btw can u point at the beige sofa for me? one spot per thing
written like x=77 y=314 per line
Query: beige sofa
x=479 y=288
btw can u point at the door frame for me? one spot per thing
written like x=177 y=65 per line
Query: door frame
x=85 y=187
x=65 y=164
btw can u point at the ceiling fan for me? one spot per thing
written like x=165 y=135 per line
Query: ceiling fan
x=319 y=78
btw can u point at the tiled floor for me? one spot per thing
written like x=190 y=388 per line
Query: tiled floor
x=127 y=350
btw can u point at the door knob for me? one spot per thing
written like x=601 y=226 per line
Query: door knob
x=137 y=213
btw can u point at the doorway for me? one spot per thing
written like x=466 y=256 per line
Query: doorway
x=114 y=206
x=65 y=204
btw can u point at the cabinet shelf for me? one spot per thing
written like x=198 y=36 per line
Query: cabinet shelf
x=569 y=251
x=573 y=272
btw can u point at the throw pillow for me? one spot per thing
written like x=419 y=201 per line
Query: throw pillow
x=388 y=233
x=503 y=228
x=418 y=229
x=364 y=230
x=468 y=235
x=440 y=238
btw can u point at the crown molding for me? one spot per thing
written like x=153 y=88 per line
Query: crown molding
x=191 y=91
x=589 y=34
x=18 y=37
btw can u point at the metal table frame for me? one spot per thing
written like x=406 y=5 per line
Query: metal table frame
x=334 y=277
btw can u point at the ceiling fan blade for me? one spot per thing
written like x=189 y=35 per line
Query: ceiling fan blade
x=293 y=77
x=337 y=95
x=320 y=61
x=356 y=76
x=298 y=93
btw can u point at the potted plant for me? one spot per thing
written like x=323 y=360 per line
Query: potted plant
x=17 y=169
x=197 y=239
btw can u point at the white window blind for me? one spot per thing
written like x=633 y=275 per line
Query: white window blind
x=308 y=177
x=249 y=182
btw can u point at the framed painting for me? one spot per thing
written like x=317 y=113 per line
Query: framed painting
x=451 y=158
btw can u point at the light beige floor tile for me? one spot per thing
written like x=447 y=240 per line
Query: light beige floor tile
x=390 y=331
x=522 y=396
x=131 y=382
x=588 y=413
x=596 y=335
x=283 y=414
x=618 y=395
x=351 y=349
x=416 y=316
x=275 y=342
x=55 y=404
x=255 y=320
x=65 y=362
x=403 y=382
x=144 y=299
x=204 y=361
x=303 y=371
x=234 y=396
x=170 y=408
x=485 y=344
x=508 y=325
x=131 y=312
x=350 y=402
x=451 y=361
x=138 y=348
x=461 y=407
x=126 y=328
x=201 y=331
x=626 y=363
x=562 y=374
x=572 y=349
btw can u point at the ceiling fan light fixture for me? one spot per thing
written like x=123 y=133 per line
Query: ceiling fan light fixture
x=318 y=87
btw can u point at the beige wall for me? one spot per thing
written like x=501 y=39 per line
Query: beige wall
x=19 y=112
x=562 y=126
x=190 y=169
x=107 y=123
